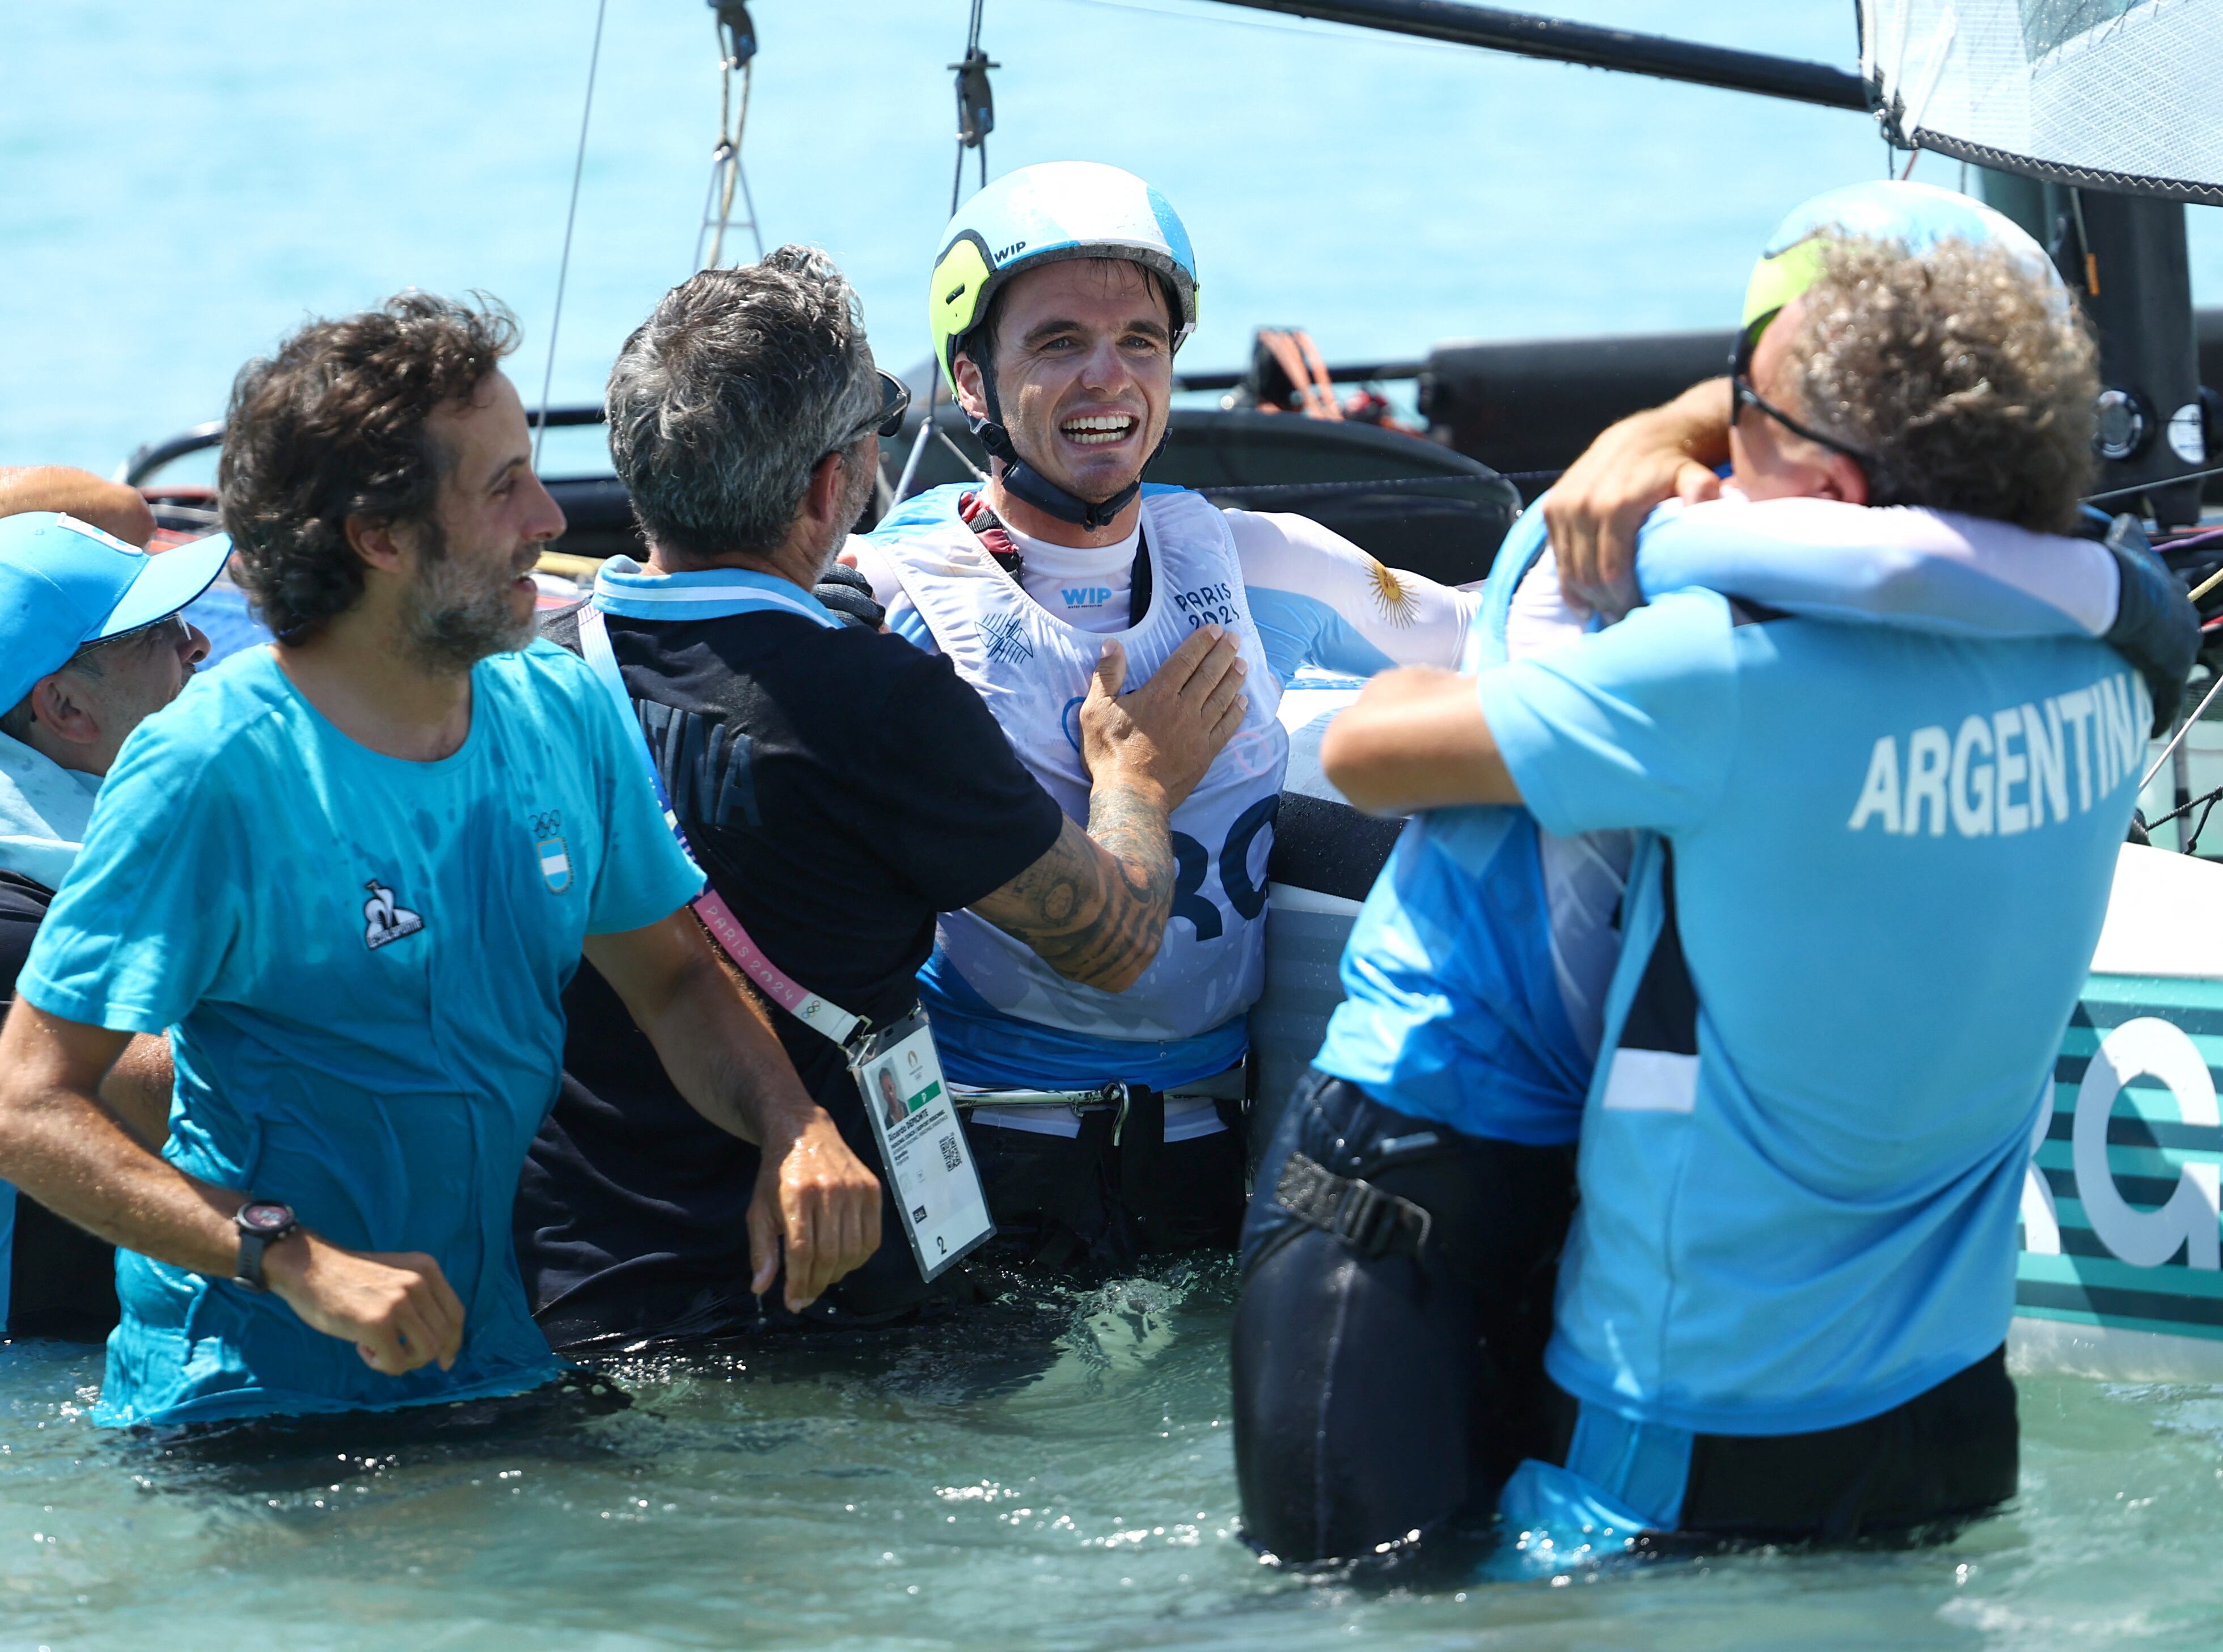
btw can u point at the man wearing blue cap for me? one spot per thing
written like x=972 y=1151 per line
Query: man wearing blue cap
x=91 y=641
x=1789 y=1275
x=350 y=874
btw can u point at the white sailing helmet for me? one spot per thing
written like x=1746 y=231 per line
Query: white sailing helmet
x=1040 y=215
x=1917 y=216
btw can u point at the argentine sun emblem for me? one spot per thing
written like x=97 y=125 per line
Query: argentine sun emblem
x=1395 y=604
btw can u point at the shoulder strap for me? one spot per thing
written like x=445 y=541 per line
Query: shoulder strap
x=710 y=906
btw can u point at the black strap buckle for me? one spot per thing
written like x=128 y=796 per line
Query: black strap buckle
x=1367 y=1219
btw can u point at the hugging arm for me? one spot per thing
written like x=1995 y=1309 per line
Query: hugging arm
x=1320 y=600
x=1594 y=510
x=1416 y=739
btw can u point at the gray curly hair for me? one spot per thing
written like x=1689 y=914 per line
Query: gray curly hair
x=734 y=388
x=1967 y=377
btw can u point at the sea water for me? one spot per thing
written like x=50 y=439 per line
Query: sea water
x=1059 y=1478
x=180 y=184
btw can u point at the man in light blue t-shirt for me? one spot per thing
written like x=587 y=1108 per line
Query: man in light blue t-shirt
x=1788 y=1280
x=351 y=873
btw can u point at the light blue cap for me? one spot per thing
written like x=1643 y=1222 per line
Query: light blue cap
x=64 y=584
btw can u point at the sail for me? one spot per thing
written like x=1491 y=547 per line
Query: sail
x=2104 y=94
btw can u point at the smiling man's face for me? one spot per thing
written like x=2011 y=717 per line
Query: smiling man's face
x=472 y=593
x=1083 y=372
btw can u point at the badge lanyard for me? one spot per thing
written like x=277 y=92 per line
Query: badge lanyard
x=897 y=1070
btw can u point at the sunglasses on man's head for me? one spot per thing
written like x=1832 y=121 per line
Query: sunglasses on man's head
x=895 y=403
x=1743 y=396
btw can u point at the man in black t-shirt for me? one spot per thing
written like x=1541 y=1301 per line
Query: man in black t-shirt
x=839 y=786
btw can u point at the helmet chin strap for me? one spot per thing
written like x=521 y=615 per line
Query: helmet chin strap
x=1024 y=481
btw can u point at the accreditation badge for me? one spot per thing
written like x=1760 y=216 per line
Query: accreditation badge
x=922 y=1148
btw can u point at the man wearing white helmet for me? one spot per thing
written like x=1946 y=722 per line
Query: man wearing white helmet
x=1060 y=297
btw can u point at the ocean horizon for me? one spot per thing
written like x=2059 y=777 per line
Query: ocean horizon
x=186 y=185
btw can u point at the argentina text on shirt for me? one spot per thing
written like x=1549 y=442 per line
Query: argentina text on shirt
x=2014 y=770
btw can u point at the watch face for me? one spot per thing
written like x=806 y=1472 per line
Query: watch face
x=265 y=1218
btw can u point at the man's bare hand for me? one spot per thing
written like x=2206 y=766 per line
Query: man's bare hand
x=1167 y=732
x=1593 y=512
x=396 y=1306
x=816 y=1203
x=109 y=506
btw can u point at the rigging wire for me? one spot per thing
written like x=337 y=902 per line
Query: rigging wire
x=737 y=49
x=976 y=118
x=2191 y=844
x=2148 y=487
x=2165 y=751
x=570 y=218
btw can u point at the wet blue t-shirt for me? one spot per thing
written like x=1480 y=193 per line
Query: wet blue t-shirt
x=1475 y=975
x=359 y=959
x=1888 y=857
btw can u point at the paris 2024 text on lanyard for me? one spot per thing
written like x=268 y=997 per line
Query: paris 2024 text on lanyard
x=922 y=1148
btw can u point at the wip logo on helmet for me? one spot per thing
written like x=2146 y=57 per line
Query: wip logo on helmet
x=2009 y=772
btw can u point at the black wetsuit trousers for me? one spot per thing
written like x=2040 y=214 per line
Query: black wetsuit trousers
x=1087 y=1200
x=1916 y=1471
x=1378 y=1395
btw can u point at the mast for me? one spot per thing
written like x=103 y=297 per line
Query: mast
x=1557 y=40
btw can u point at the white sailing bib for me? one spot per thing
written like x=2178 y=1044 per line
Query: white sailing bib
x=1033 y=670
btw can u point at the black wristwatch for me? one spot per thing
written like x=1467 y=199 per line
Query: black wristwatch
x=261 y=1225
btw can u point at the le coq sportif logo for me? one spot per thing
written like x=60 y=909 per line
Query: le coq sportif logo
x=383 y=920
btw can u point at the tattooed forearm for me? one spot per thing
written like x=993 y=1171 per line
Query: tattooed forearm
x=1094 y=907
x=1129 y=830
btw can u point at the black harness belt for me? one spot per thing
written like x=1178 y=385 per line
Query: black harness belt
x=1360 y=1214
